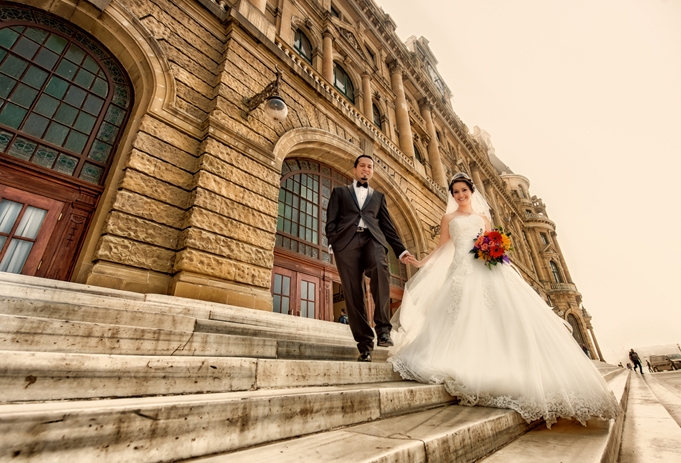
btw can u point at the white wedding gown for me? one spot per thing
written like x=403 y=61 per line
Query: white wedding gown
x=492 y=340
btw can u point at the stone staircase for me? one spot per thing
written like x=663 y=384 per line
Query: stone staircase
x=93 y=374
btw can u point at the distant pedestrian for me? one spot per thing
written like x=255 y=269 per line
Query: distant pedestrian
x=620 y=365
x=629 y=365
x=636 y=360
x=343 y=317
x=586 y=350
x=650 y=368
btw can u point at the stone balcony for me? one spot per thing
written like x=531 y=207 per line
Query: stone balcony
x=539 y=218
x=565 y=287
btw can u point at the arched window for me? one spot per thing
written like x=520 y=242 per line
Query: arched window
x=556 y=273
x=64 y=102
x=342 y=82
x=302 y=45
x=63 y=99
x=522 y=192
x=576 y=329
x=377 y=116
x=418 y=155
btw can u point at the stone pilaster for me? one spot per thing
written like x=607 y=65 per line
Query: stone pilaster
x=261 y=5
x=327 y=56
x=406 y=137
x=433 y=145
x=595 y=341
x=366 y=91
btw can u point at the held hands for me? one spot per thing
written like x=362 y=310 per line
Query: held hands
x=407 y=258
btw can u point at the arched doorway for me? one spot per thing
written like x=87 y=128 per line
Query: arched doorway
x=576 y=329
x=304 y=278
x=64 y=100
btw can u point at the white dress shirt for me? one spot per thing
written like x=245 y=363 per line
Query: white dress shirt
x=361 y=194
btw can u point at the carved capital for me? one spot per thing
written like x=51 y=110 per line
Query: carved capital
x=425 y=104
x=394 y=66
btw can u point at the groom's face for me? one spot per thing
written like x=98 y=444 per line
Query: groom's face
x=364 y=170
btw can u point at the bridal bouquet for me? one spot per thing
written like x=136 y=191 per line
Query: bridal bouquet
x=492 y=247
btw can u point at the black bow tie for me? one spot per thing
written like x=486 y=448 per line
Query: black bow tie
x=362 y=185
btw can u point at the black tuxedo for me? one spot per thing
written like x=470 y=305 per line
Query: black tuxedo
x=359 y=253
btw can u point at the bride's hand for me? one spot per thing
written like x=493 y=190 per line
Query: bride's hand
x=416 y=263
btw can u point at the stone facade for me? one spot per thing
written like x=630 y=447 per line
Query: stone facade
x=190 y=204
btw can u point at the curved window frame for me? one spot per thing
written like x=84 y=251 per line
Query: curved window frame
x=89 y=160
x=418 y=155
x=556 y=272
x=376 y=113
x=577 y=333
x=343 y=83
x=300 y=41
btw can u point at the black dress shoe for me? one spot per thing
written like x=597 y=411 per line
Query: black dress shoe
x=365 y=357
x=384 y=340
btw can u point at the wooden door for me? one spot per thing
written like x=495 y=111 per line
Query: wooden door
x=26 y=225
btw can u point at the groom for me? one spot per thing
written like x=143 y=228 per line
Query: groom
x=359 y=230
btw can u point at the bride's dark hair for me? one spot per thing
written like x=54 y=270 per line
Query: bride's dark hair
x=461 y=177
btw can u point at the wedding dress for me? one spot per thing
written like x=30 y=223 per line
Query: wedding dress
x=491 y=339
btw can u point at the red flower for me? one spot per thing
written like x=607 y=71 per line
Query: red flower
x=494 y=236
x=496 y=251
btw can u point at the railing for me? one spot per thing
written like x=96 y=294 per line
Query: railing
x=540 y=217
x=564 y=287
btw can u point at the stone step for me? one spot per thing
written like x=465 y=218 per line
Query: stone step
x=43 y=376
x=449 y=434
x=20 y=333
x=93 y=314
x=241 y=329
x=568 y=440
x=650 y=433
x=41 y=289
x=169 y=428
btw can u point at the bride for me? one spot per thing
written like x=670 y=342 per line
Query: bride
x=486 y=334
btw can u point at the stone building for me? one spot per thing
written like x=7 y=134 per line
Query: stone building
x=130 y=158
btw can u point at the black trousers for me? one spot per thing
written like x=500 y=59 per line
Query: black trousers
x=365 y=256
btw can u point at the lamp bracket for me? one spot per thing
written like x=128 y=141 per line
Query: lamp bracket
x=272 y=89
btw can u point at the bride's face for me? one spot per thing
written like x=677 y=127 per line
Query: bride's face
x=462 y=193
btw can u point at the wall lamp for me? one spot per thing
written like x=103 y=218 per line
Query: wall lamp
x=275 y=106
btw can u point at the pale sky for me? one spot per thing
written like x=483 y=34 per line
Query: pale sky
x=583 y=97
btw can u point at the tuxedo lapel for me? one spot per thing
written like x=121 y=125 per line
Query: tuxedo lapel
x=370 y=193
x=353 y=195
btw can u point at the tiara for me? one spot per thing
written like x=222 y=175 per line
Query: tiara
x=460 y=175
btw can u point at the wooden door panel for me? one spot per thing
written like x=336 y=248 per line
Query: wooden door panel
x=53 y=210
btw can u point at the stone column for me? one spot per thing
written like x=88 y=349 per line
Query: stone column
x=433 y=145
x=283 y=24
x=327 y=62
x=520 y=243
x=261 y=5
x=366 y=90
x=536 y=259
x=598 y=348
x=406 y=137
x=479 y=184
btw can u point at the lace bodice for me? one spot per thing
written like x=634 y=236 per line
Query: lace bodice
x=463 y=229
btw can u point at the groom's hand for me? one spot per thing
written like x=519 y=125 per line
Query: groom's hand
x=406 y=258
